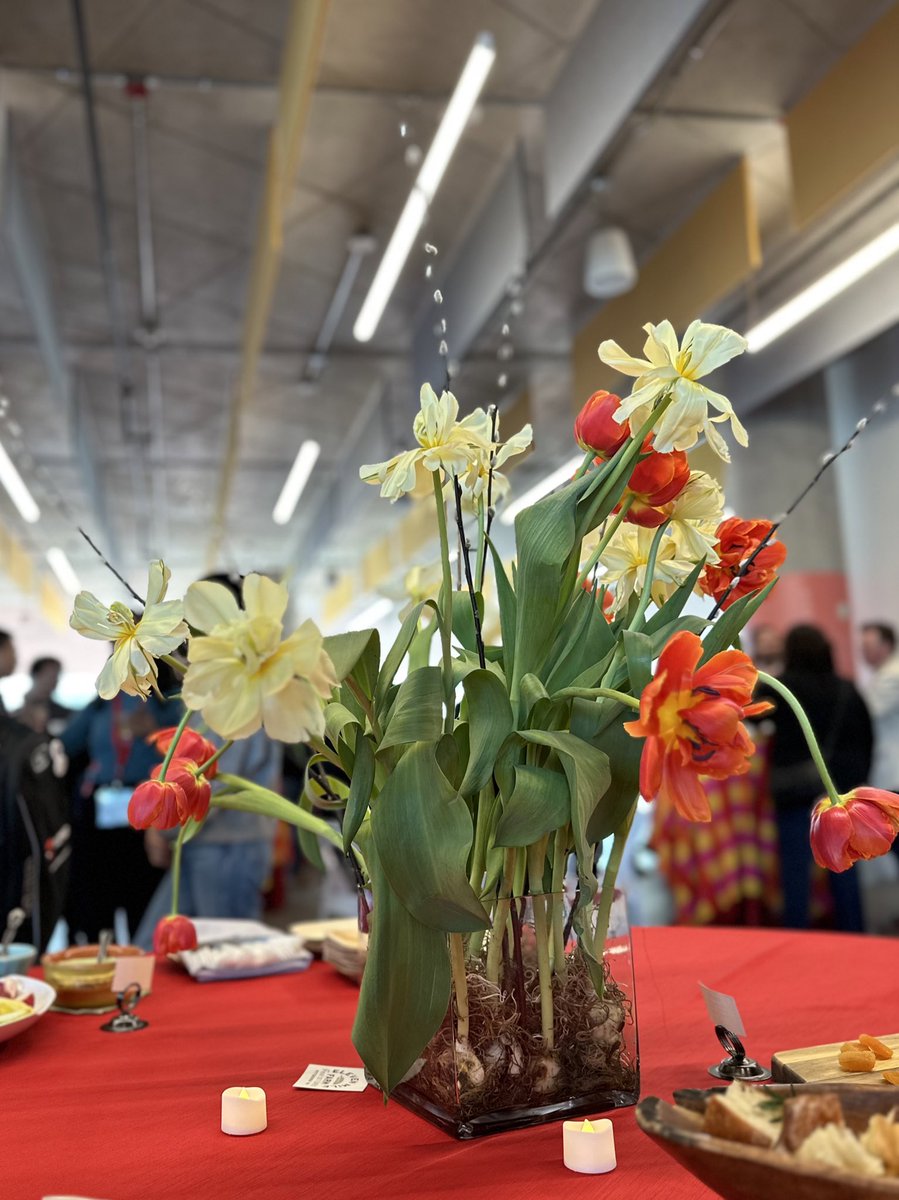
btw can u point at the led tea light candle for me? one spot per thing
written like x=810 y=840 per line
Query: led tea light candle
x=589 y=1146
x=243 y=1110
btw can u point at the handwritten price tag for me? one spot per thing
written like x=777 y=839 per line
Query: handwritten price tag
x=722 y=1010
x=332 y=1079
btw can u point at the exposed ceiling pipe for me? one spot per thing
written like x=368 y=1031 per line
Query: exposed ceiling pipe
x=299 y=63
x=359 y=246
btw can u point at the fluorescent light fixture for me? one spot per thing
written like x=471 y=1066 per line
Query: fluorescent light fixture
x=63 y=570
x=370 y=616
x=808 y=301
x=15 y=487
x=450 y=130
x=297 y=478
x=546 y=485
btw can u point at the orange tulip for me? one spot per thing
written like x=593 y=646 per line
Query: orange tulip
x=654 y=483
x=156 y=804
x=195 y=788
x=173 y=934
x=191 y=745
x=595 y=427
x=863 y=825
x=736 y=541
x=692 y=720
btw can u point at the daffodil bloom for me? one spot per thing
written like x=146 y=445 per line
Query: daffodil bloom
x=475 y=482
x=627 y=556
x=242 y=676
x=694 y=518
x=443 y=442
x=676 y=369
x=137 y=641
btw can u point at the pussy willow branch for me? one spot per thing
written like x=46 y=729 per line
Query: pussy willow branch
x=106 y=563
x=466 y=560
x=826 y=464
x=494 y=429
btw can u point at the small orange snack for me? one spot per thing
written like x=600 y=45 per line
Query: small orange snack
x=880 y=1049
x=853 y=1046
x=857 y=1060
x=891 y=1077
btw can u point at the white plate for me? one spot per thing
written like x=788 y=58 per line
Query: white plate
x=44 y=995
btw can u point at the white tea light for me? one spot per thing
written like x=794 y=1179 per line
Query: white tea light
x=589 y=1146
x=243 y=1111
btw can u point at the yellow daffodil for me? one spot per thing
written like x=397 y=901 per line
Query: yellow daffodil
x=137 y=641
x=669 y=367
x=475 y=480
x=443 y=442
x=242 y=676
x=625 y=560
x=695 y=516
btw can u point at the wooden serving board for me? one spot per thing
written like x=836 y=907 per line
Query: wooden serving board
x=819 y=1064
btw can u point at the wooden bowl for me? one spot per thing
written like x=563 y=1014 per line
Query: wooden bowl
x=80 y=980
x=740 y=1172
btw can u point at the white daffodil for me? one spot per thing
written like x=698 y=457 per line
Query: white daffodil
x=137 y=641
x=242 y=676
x=476 y=480
x=626 y=558
x=443 y=442
x=669 y=367
x=695 y=516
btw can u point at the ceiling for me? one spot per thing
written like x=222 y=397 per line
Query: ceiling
x=143 y=477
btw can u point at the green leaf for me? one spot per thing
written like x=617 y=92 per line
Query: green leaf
x=674 y=605
x=726 y=630
x=417 y=713
x=423 y=832
x=420 y=649
x=337 y=718
x=463 y=618
x=624 y=754
x=588 y=642
x=191 y=828
x=638 y=654
x=396 y=654
x=323 y=792
x=508 y=607
x=588 y=774
x=405 y=991
x=540 y=803
x=489 y=724
x=357 y=654
x=361 y=784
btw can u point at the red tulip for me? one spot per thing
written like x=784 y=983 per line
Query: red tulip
x=191 y=745
x=655 y=481
x=863 y=825
x=156 y=804
x=692 y=722
x=736 y=541
x=173 y=934
x=195 y=788
x=608 y=599
x=595 y=427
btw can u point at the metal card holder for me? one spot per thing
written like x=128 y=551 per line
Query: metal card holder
x=126 y=1022
x=736 y=1065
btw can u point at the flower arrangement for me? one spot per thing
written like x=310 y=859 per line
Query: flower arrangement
x=473 y=780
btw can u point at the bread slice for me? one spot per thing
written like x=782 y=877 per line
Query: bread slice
x=743 y=1114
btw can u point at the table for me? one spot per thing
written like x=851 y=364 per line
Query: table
x=134 y=1117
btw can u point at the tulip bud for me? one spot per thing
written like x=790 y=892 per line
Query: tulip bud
x=596 y=428
x=156 y=804
x=191 y=745
x=655 y=481
x=173 y=934
x=864 y=825
x=195 y=788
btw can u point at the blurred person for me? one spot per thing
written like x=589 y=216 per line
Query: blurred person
x=8 y=659
x=224 y=867
x=39 y=710
x=882 y=692
x=109 y=866
x=842 y=725
x=767 y=648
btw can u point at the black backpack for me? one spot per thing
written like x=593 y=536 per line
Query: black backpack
x=35 y=833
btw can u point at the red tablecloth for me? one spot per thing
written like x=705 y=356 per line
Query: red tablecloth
x=136 y=1116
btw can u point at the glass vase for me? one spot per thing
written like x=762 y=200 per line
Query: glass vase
x=503 y=1074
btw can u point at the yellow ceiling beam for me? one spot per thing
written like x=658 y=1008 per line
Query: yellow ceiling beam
x=299 y=64
x=714 y=251
x=847 y=126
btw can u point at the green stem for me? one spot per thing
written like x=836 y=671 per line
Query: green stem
x=589 y=456
x=218 y=754
x=646 y=594
x=243 y=796
x=173 y=745
x=500 y=917
x=460 y=986
x=367 y=706
x=536 y=856
x=600 y=693
x=805 y=725
x=176 y=870
x=325 y=751
x=481 y=564
x=608 y=533
x=479 y=849
x=447 y=622
x=560 y=857
x=604 y=908
x=176 y=663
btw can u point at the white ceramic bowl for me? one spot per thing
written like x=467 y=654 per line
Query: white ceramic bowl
x=43 y=994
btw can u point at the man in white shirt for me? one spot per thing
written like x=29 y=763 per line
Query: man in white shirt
x=879 y=652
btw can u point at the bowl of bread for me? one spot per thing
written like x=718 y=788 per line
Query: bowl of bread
x=809 y=1141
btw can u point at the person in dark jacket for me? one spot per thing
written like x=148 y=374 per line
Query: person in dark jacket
x=842 y=725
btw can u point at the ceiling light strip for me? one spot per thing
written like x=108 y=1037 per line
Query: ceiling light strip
x=63 y=570
x=546 y=485
x=16 y=489
x=297 y=478
x=452 y=126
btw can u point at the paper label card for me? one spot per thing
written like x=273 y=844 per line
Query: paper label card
x=134 y=969
x=332 y=1079
x=722 y=1010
